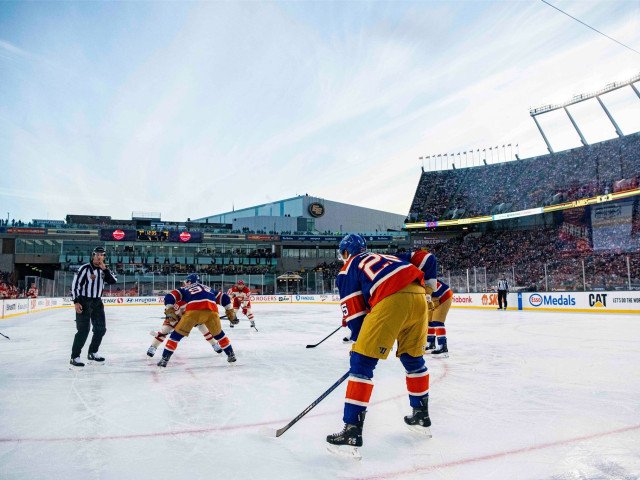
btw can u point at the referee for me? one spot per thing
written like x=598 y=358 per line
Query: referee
x=503 y=290
x=86 y=291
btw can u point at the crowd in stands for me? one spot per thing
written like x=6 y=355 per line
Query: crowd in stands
x=8 y=289
x=583 y=172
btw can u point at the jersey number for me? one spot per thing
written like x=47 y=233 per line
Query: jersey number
x=370 y=264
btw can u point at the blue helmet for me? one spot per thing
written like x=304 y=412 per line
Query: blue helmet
x=352 y=243
x=193 y=278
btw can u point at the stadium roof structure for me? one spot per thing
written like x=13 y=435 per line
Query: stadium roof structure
x=534 y=112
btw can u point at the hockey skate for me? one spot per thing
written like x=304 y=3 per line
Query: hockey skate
x=163 y=361
x=217 y=348
x=76 y=362
x=419 y=421
x=346 y=442
x=253 y=325
x=95 y=358
x=442 y=352
x=152 y=351
x=231 y=356
x=430 y=346
x=347 y=340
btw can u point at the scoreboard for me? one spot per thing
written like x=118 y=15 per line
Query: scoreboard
x=153 y=235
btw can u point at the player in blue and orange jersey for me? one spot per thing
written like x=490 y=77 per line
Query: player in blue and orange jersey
x=200 y=308
x=383 y=300
x=439 y=298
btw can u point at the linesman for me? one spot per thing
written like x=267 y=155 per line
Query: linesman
x=503 y=291
x=86 y=292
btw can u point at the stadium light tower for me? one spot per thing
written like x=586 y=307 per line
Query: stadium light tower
x=581 y=98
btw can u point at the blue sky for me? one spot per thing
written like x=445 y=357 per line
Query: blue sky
x=190 y=108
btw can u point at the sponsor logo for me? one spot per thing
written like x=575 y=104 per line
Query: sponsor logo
x=9 y=306
x=120 y=300
x=598 y=300
x=283 y=299
x=185 y=236
x=118 y=234
x=535 y=300
x=23 y=306
x=490 y=299
x=316 y=209
x=324 y=298
x=33 y=304
x=461 y=299
x=305 y=298
x=552 y=300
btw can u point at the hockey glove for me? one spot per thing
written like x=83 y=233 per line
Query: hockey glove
x=231 y=315
x=170 y=314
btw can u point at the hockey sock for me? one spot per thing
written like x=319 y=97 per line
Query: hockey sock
x=172 y=344
x=359 y=387
x=207 y=334
x=223 y=341
x=417 y=378
x=431 y=334
x=162 y=334
x=441 y=333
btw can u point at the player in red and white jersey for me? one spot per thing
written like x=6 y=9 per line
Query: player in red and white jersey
x=241 y=296
x=33 y=291
x=383 y=301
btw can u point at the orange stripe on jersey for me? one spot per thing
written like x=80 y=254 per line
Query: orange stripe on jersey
x=355 y=307
x=440 y=331
x=205 y=304
x=172 y=345
x=359 y=390
x=394 y=282
x=418 y=383
x=224 y=342
x=445 y=296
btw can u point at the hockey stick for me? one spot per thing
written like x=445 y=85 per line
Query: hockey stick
x=313 y=346
x=271 y=432
x=5 y=336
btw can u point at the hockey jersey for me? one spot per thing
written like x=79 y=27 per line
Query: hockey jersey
x=426 y=262
x=367 y=278
x=197 y=297
x=243 y=294
x=442 y=293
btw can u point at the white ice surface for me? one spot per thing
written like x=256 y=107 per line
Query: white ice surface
x=523 y=396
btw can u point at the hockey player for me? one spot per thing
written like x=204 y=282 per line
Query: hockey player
x=170 y=323
x=200 y=308
x=439 y=298
x=241 y=296
x=383 y=300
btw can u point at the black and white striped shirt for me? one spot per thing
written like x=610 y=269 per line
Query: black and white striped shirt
x=503 y=284
x=89 y=281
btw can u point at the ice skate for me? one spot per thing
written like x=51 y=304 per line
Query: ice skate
x=430 y=346
x=76 y=362
x=346 y=442
x=419 y=421
x=217 y=348
x=95 y=358
x=442 y=352
x=231 y=356
x=347 y=340
x=163 y=361
x=152 y=351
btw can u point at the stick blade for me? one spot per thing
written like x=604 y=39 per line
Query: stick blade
x=310 y=346
x=268 y=432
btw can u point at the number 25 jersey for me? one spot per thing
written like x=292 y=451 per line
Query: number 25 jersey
x=368 y=277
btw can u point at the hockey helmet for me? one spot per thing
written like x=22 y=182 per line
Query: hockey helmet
x=352 y=243
x=240 y=283
x=98 y=251
x=191 y=279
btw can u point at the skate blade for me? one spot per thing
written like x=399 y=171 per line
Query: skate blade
x=73 y=368
x=344 y=451
x=424 y=431
x=93 y=362
x=440 y=355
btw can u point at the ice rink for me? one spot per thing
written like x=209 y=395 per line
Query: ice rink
x=523 y=396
